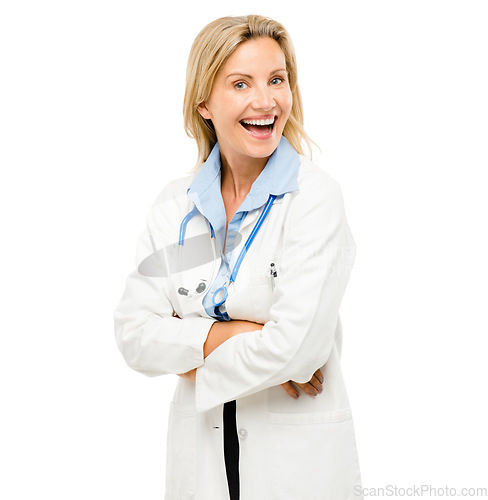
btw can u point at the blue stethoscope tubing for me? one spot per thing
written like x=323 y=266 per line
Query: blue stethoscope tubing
x=223 y=289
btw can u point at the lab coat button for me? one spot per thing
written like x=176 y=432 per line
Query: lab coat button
x=242 y=433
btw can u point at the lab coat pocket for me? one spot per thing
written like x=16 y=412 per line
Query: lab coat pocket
x=313 y=455
x=261 y=288
x=181 y=452
x=260 y=295
x=189 y=288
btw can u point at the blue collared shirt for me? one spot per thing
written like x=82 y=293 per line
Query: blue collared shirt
x=278 y=177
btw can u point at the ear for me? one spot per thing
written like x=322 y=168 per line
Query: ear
x=204 y=111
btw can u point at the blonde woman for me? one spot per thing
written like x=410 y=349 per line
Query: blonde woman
x=240 y=275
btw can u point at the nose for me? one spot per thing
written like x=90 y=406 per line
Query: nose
x=263 y=98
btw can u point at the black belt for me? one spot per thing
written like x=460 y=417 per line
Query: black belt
x=231 y=449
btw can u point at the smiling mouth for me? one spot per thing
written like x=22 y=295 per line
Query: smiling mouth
x=259 y=129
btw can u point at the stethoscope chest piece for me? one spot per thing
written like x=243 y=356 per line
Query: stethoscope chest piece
x=220 y=296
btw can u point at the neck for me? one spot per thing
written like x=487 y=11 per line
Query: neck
x=237 y=178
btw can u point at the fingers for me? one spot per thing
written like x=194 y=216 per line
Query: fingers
x=312 y=388
x=317 y=380
x=290 y=389
x=318 y=375
x=315 y=383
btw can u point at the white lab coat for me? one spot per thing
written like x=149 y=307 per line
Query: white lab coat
x=302 y=449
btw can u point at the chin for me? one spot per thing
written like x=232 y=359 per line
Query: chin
x=261 y=152
x=264 y=149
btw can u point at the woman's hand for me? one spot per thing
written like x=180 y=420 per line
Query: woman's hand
x=312 y=387
x=235 y=327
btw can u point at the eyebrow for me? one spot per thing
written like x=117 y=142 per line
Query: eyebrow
x=250 y=76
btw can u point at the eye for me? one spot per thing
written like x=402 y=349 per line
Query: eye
x=277 y=79
x=240 y=85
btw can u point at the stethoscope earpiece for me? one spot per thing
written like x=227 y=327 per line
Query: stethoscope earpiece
x=200 y=288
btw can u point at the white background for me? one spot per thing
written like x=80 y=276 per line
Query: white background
x=91 y=131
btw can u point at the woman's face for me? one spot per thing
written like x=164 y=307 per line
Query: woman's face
x=250 y=87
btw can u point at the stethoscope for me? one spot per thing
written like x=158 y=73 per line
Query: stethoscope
x=221 y=294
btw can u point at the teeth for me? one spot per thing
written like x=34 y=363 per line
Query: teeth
x=268 y=121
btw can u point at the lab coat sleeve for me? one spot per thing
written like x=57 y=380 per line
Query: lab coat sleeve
x=150 y=339
x=317 y=258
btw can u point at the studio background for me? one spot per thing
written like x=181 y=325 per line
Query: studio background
x=91 y=129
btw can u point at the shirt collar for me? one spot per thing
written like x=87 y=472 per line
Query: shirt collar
x=278 y=177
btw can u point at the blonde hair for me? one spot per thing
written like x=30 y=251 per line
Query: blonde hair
x=209 y=52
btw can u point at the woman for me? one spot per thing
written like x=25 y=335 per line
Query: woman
x=240 y=276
